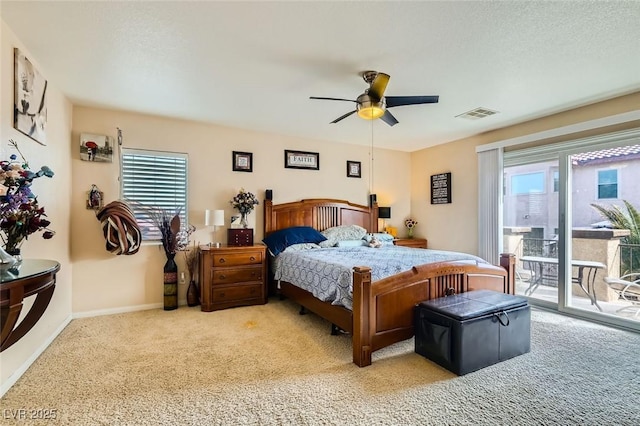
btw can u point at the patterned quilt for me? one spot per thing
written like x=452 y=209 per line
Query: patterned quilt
x=327 y=272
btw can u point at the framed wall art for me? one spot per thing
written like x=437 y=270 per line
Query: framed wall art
x=441 y=188
x=98 y=148
x=30 y=99
x=354 y=169
x=301 y=160
x=242 y=161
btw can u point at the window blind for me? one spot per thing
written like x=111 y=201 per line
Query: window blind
x=154 y=179
x=490 y=205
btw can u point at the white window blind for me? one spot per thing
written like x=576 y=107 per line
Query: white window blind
x=155 y=179
x=490 y=205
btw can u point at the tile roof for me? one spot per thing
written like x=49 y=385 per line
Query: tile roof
x=605 y=154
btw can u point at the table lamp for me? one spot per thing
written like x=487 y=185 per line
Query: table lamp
x=384 y=213
x=214 y=218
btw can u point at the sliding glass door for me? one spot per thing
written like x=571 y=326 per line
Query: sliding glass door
x=602 y=232
x=530 y=219
x=571 y=214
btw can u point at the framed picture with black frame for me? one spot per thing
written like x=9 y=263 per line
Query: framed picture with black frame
x=301 y=160
x=242 y=161
x=354 y=169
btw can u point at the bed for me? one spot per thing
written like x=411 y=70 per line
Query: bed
x=381 y=311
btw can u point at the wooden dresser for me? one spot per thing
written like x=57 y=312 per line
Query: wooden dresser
x=232 y=276
x=411 y=242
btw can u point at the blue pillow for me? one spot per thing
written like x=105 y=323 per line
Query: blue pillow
x=280 y=240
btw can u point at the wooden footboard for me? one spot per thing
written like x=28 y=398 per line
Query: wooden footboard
x=383 y=310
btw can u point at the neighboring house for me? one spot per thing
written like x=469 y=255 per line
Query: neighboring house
x=605 y=177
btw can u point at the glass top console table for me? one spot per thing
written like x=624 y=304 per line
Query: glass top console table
x=30 y=277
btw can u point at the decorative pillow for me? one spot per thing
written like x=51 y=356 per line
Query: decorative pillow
x=302 y=246
x=280 y=240
x=342 y=233
x=351 y=243
x=380 y=236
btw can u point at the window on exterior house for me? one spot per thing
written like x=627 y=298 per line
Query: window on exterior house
x=527 y=183
x=556 y=181
x=607 y=183
x=155 y=179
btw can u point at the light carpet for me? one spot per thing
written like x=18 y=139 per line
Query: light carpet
x=268 y=365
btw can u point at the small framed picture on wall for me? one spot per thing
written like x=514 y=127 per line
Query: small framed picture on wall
x=97 y=148
x=354 y=169
x=242 y=161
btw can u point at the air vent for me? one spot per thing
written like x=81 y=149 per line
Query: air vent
x=477 y=113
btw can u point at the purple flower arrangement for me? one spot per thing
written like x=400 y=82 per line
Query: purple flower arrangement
x=20 y=214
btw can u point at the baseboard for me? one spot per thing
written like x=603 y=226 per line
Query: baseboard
x=11 y=380
x=120 y=310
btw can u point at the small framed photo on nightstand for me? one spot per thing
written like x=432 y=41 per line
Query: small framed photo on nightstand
x=242 y=161
x=354 y=169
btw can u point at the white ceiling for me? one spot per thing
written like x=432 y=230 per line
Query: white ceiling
x=254 y=65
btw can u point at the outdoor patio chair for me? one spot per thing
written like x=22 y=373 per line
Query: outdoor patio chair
x=628 y=288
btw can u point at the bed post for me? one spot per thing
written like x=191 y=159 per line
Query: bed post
x=268 y=219
x=373 y=218
x=508 y=262
x=361 y=316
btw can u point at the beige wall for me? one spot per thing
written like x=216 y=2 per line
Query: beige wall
x=104 y=281
x=455 y=226
x=54 y=194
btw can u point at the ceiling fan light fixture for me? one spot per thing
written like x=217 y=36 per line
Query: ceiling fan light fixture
x=370 y=113
x=370 y=108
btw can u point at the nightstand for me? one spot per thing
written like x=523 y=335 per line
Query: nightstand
x=411 y=242
x=232 y=276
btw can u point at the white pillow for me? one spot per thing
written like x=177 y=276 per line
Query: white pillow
x=351 y=243
x=342 y=233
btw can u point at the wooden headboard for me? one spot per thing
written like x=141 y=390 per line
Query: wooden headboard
x=319 y=213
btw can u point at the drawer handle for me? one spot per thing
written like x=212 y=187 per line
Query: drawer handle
x=252 y=258
x=221 y=261
x=222 y=294
x=222 y=277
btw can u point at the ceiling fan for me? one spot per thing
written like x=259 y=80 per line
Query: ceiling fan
x=373 y=104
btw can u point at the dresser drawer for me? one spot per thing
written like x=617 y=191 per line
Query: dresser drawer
x=237 y=275
x=223 y=294
x=236 y=259
x=411 y=242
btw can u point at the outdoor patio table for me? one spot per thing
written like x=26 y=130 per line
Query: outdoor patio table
x=587 y=271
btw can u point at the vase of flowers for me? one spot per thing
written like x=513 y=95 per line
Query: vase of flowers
x=20 y=213
x=173 y=239
x=410 y=224
x=244 y=202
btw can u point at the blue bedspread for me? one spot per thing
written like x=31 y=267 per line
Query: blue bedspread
x=327 y=272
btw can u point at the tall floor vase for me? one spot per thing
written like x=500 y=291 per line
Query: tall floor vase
x=170 y=283
x=193 y=294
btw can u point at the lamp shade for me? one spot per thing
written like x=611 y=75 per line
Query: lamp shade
x=214 y=218
x=218 y=218
x=384 y=212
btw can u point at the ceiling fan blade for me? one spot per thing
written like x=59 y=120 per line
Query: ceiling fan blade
x=388 y=118
x=394 y=101
x=343 y=117
x=379 y=85
x=332 y=99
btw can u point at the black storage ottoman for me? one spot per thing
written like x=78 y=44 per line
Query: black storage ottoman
x=469 y=331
